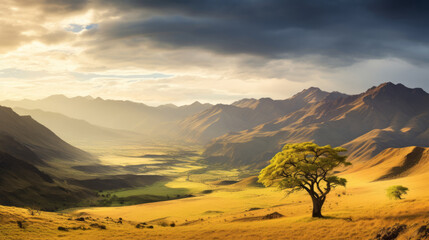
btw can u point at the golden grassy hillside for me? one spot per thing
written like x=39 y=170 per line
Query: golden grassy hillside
x=233 y=212
x=394 y=163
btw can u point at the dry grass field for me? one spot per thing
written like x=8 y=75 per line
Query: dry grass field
x=236 y=212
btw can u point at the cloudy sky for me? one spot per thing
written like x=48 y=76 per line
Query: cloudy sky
x=161 y=51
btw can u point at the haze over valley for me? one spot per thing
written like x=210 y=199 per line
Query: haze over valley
x=199 y=150
x=129 y=153
x=260 y=119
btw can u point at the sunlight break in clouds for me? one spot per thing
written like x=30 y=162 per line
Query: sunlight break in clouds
x=162 y=52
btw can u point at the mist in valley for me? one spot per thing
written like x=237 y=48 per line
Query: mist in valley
x=214 y=119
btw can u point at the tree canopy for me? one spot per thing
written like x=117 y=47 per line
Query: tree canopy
x=396 y=192
x=306 y=166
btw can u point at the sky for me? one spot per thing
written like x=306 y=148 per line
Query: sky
x=215 y=51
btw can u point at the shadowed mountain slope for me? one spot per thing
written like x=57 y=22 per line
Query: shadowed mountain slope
x=244 y=114
x=10 y=145
x=385 y=116
x=23 y=134
x=37 y=168
x=22 y=184
x=78 y=132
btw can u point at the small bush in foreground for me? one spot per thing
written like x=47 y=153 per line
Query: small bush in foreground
x=396 y=192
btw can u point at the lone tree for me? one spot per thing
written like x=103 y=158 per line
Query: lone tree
x=306 y=166
x=395 y=192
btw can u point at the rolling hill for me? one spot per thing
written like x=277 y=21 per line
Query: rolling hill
x=395 y=163
x=385 y=116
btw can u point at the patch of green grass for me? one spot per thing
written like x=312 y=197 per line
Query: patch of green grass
x=157 y=189
x=153 y=193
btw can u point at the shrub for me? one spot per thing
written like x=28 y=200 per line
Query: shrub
x=62 y=229
x=20 y=225
x=163 y=224
x=396 y=192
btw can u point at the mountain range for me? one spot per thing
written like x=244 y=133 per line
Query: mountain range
x=381 y=128
x=79 y=132
x=249 y=132
x=23 y=137
x=114 y=114
x=244 y=114
x=385 y=116
x=26 y=147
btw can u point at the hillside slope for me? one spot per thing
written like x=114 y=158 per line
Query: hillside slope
x=123 y=115
x=37 y=138
x=394 y=163
x=22 y=184
x=244 y=114
x=385 y=116
x=75 y=131
x=358 y=212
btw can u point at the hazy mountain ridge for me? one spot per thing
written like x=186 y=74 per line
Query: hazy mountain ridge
x=77 y=131
x=250 y=131
x=385 y=116
x=116 y=114
x=26 y=146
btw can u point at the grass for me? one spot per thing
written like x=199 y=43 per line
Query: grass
x=179 y=163
x=368 y=213
x=357 y=212
x=157 y=189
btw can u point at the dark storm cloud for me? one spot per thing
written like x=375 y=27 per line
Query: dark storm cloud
x=55 y=7
x=343 y=31
x=337 y=31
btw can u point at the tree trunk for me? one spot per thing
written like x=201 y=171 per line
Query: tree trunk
x=317 y=207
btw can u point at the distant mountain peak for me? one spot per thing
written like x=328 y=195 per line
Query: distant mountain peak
x=310 y=95
x=308 y=91
x=266 y=99
x=388 y=86
x=88 y=97
x=245 y=102
x=335 y=95
x=57 y=96
x=390 y=89
x=252 y=102
x=312 y=89
x=168 y=105
x=62 y=97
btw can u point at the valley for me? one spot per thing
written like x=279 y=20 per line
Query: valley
x=217 y=120
x=194 y=174
x=357 y=212
x=136 y=174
